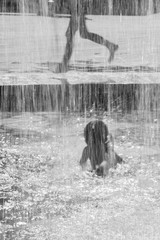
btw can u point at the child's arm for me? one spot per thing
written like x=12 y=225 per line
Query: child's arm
x=84 y=158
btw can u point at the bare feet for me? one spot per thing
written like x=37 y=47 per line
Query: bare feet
x=113 y=48
x=63 y=67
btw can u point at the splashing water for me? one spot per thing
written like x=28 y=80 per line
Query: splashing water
x=43 y=192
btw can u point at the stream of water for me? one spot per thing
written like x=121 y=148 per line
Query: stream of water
x=44 y=194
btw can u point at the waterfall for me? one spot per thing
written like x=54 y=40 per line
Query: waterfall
x=110 y=7
x=150 y=7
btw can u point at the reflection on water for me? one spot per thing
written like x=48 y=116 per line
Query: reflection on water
x=43 y=192
x=28 y=42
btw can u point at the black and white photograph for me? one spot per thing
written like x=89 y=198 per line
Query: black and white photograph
x=80 y=119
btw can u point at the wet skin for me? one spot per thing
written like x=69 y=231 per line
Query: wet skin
x=78 y=22
x=99 y=149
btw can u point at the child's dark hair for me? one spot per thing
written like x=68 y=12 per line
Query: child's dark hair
x=99 y=149
x=97 y=131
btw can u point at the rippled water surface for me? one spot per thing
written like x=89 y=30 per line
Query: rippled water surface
x=32 y=44
x=43 y=192
x=49 y=197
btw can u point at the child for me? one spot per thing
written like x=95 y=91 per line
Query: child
x=99 y=148
x=78 y=22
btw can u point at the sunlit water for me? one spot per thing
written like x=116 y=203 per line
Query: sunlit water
x=32 y=44
x=51 y=198
x=48 y=196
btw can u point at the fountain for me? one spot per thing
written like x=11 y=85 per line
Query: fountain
x=39 y=43
x=53 y=81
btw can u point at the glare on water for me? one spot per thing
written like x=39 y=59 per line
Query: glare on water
x=44 y=194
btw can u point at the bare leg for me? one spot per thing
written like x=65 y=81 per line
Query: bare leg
x=84 y=33
x=70 y=33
